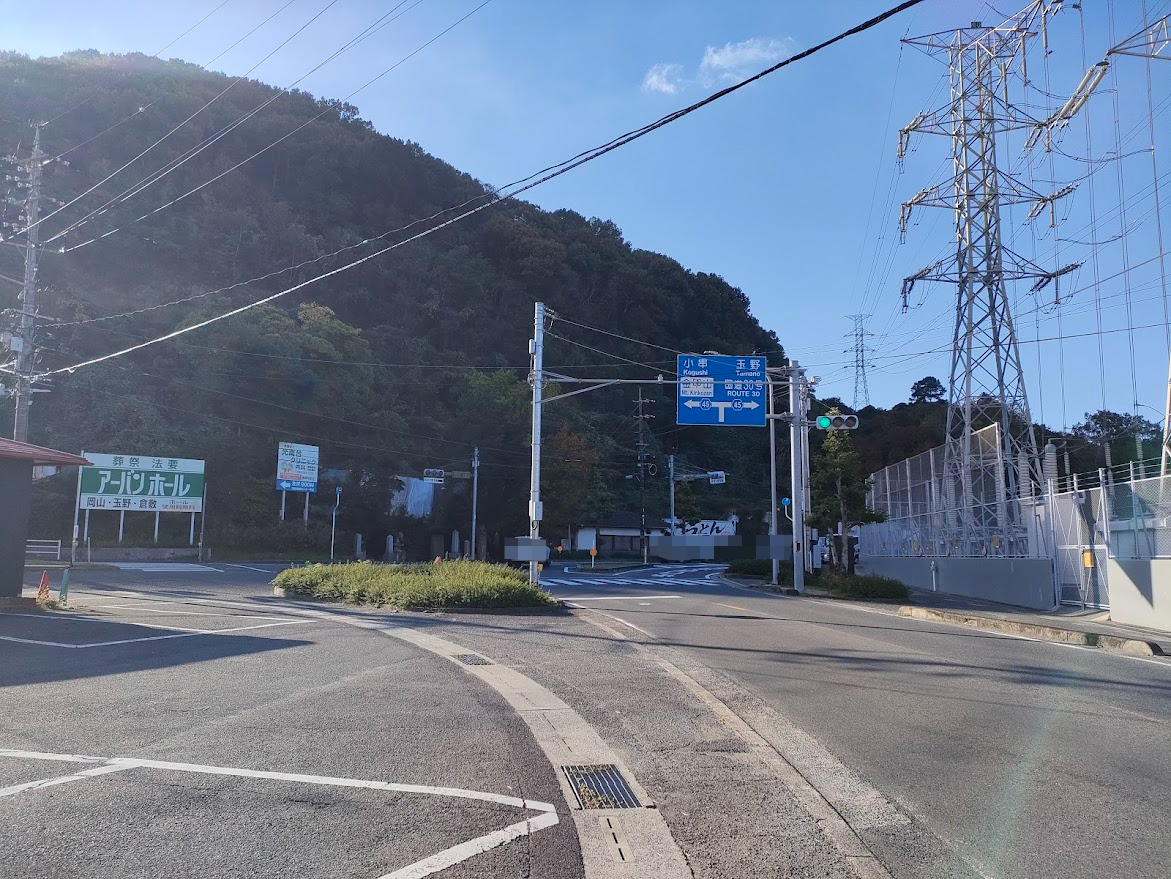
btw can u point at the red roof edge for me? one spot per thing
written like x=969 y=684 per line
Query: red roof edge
x=38 y=455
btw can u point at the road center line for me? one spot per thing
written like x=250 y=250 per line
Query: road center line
x=617 y=597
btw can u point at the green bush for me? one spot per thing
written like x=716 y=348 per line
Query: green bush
x=761 y=568
x=431 y=586
x=867 y=587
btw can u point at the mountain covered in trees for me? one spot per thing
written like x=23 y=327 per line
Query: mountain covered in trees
x=404 y=362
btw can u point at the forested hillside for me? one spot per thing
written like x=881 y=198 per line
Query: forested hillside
x=405 y=362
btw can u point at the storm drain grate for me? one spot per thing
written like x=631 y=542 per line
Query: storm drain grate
x=473 y=659
x=601 y=786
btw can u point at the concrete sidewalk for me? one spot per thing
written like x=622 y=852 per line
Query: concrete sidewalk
x=1090 y=627
x=1084 y=628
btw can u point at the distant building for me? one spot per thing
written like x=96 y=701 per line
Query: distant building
x=618 y=534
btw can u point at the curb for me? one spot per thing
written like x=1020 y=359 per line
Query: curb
x=1114 y=643
x=576 y=568
x=763 y=586
x=558 y=609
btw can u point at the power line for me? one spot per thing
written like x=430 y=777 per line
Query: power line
x=174 y=164
x=530 y=183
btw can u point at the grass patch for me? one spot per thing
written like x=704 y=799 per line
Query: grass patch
x=866 y=587
x=759 y=568
x=441 y=586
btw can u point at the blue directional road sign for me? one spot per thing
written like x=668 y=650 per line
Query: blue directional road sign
x=722 y=390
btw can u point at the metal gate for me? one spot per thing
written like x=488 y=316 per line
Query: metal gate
x=1081 y=525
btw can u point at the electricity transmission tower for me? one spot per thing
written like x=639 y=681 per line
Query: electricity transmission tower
x=983 y=481
x=861 y=391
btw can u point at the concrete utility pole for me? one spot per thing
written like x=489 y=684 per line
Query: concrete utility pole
x=537 y=379
x=26 y=356
x=643 y=464
x=797 y=471
x=475 y=494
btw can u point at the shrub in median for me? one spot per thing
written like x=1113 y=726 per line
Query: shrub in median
x=868 y=587
x=439 y=586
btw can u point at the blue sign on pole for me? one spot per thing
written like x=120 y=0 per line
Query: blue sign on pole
x=296 y=467
x=722 y=390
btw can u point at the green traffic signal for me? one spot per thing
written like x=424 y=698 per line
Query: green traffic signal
x=837 y=422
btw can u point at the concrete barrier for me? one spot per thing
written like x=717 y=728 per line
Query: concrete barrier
x=1140 y=592
x=1020 y=582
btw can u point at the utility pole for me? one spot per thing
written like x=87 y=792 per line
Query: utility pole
x=26 y=356
x=797 y=470
x=475 y=494
x=861 y=391
x=643 y=464
x=537 y=380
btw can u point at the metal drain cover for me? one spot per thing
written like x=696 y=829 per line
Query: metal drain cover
x=601 y=786
x=473 y=659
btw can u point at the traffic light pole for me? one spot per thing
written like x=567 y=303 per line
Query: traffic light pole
x=797 y=470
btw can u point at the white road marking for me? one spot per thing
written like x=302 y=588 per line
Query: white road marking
x=246 y=567
x=617 y=597
x=630 y=625
x=188 y=633
x=104 y=769
x=186 y=613
x=166 y=568
x=426 y=867
x=458 y=853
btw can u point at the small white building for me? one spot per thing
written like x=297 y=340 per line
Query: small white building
x=618 y=534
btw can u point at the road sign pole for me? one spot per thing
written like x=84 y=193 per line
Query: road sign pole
x=797 y=471
x=191 y=536
x=537 y=349
x=76 y=514
x=306 y=516
x=671 y=481
x=121 y=524
x=203 y=520
x=333 y=528
x=772 y=470
x=156 y=527
x=282 y=506
x=475 y=495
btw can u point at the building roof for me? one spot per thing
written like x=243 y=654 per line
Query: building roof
x=37 y=455
x=632 y=519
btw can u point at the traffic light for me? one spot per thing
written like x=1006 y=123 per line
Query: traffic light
x=837 y=422
x=435 y=477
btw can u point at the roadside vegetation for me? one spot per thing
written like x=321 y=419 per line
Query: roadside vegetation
x=445 y=585
x=864 y=587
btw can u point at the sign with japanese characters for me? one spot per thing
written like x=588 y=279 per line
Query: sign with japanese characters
x=296 y=467
x=142 y=483
x=719 y=389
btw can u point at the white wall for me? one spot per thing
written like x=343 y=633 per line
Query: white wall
x=1140 y=592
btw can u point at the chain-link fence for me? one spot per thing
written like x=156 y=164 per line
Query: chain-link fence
x=925 y=518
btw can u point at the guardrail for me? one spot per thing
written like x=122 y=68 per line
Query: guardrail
x=43 y=548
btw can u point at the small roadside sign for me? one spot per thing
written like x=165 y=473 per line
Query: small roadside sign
x=296 y=467
x=716 y=477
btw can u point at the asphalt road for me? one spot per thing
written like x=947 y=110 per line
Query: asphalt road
x=1029 y=759
x=190 y=734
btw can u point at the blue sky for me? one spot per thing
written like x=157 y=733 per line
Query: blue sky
x=789 y=189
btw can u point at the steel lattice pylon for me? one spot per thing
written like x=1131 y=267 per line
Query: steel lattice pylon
x=983 y=487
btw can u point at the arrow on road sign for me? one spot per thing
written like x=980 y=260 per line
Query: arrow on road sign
x=286 y=485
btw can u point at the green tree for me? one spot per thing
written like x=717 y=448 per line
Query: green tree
x=838 y=490
x=1121 y=431
x=928 y=390
x=568 y=463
